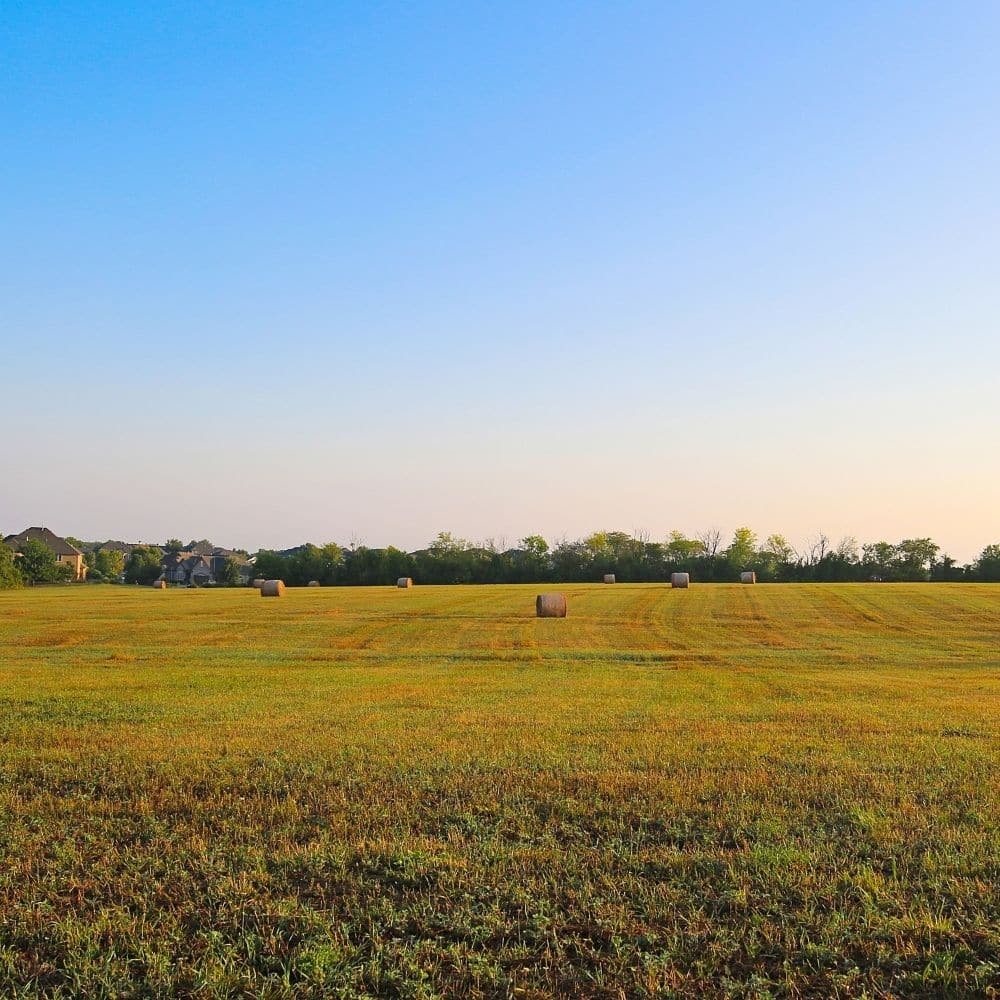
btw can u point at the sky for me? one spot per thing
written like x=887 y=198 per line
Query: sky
x=276 y=272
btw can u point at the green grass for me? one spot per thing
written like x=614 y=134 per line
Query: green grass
x=786 y=791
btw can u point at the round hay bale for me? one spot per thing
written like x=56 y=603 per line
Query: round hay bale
x=272 y=588
x=682 y=580
x=550 y=606
x=259 y=582
x=748 y=577
x=404 y=582
x=314 y=583
x=160 y=585
x=609 y=577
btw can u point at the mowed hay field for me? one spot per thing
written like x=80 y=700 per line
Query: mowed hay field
x=767 y=791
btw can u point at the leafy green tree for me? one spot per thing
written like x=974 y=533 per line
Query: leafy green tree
x=143 y=565
x=776 y=558
x=174 y=545
x=915 y=556
x=879 y=560
x=10 y=574
x=93 y=573
x=110 y=563
x=375 y=567
x=599 y=554
x=947 y=570
x=271 y=566
x=531 y=563
x=681 y=550
x=446 y=560
x=38 y=564
x=597 y=544
x=826 y=564
x=778 y=548
x=303 y=566
x=572 y=561
x=395 y=563
x=987 y=566
x=615 y=552
x=447 y=544
x=313 y=563
x=229 y=573
x=331 y=558
x=742 y=551
x=535 y=545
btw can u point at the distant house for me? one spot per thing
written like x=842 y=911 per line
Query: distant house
x=113 y=547
x=186 y=568
x=243 y=565
x=200 y=569
x=125 y=548
x=65 y=553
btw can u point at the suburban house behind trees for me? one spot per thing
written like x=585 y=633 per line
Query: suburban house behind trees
x=66 y=554
x=194 y=568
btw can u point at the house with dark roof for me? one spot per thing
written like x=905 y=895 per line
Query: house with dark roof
x=186 y=568
x=125 y=548
x=197 y=569
x=65 y=553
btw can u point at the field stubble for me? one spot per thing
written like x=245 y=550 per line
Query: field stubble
x=784 y=791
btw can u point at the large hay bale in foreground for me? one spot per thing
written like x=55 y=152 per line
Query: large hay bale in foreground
x=609 y=577
x=314 y=583
x=272 y=588
x=748 y=577
x=682 y=580
x=259 y=582
x=550 y=606
x=160 y=585
x=404 y=582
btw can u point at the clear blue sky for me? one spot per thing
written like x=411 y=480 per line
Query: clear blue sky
x=282 y=271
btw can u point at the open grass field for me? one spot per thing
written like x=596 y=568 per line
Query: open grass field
x=787 y=791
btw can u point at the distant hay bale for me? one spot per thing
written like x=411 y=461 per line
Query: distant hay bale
x=404 y=582
x=748 y=577
x=682 y=580
x=314 y=583
x=550 y=606
x=258 y=583
x=160 y=585
x=609 y=577
x=272 y=588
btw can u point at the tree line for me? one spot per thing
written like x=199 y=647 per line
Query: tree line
x=632 y=558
